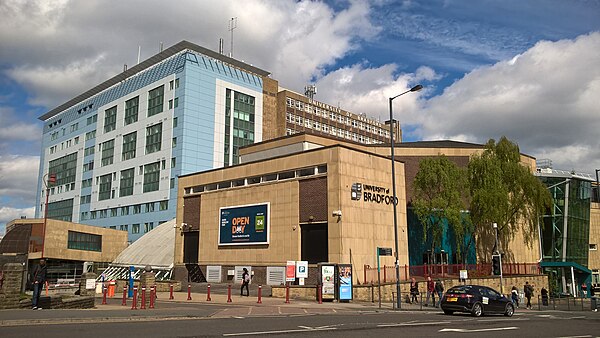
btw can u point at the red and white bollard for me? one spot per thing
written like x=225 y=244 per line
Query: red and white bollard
x=320 y=293
x=259 y=294
x=208 y=293
x=287 y=294
x=124 y=303
x=189 y=292
x=143 y=302
x=171 y=292
x=104 y=296
x=229 y=293
x=152 y=296
x=134 y=302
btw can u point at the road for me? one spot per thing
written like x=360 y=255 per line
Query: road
x=303 y=320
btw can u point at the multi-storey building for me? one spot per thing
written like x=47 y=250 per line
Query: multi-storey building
x=116 y=150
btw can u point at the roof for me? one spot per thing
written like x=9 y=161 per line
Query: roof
x=574 y=265
x=435 y=144
x=157 y=58
x=156 y=248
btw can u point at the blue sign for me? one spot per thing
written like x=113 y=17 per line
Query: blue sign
x=244 y=225
x=345 y=281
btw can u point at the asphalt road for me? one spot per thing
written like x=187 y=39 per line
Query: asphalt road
x=212 y=320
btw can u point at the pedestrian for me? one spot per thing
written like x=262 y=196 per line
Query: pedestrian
x=430 y=291
x=514 y=294
x=583 y=290
x=544 y=293
x=528 y=289
x=39 y=279
x=414 y=290
x=439 y=289
x=245 y=282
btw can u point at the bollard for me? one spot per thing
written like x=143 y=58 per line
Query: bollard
x=208 y=293
x=152 y=296
x=189 y=292
x=171 y=292
x=46 y=288
x=143 y=302
x=259 y=294
x=104 y=296
x=320 y=293
x=287 y=294
x=134 y=302
x=229 y=293
x=124 y=303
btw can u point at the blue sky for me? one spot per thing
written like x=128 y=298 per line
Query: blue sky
x=529 y=70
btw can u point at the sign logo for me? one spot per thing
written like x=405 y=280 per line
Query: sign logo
x=371 y=193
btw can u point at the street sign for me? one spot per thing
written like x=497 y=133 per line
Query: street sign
x=290 y=272
x=302 y=269
x=385 y=251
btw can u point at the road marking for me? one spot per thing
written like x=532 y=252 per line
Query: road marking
x=497 y=320
x=412 y=324
x=586 y=336
x=480 y=330
x=302 y=329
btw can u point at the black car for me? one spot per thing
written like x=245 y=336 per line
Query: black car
x=477 y=300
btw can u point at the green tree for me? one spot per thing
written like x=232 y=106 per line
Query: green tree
x=504 y=191
x=440 y=196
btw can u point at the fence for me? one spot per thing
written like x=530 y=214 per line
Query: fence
x=388 y=273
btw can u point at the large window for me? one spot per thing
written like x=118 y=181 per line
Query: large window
x=155 y=101
x=105 y=187
x=126 y=185
x=151 y=176
x=64 y=168
x=129 y=144
x=131 y=110
x=110 y=119
x=153 y=138
x=84 y=241
x=243 y=123
x=61 y=210
x=108 y=152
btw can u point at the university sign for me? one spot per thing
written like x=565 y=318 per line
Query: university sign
x=244 y=225
x=371 y=193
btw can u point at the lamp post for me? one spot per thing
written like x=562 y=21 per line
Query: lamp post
x=395 y=201
x=497 y=252
x=47 y=179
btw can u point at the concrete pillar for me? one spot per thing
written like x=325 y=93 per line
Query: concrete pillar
x=11 y=287
x=83 y=290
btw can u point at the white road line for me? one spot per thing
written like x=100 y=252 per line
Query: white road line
x=412 y=324
x=480 y=330
x=586 y=336
x=498 y=320
x=256 y=333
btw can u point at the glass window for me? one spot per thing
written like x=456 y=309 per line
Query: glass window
x=105 y=187
x=84 y=241
x=129 y=145
x=90 y=135
x=153 y=138
x=148 y=226
x=137 y=208
x=64 y=169
x=125 y=211
x=151 y=177
x=110 y=119
x=92 y=119
x=108 y=151
x=164 y=205
x=131 y=110
x=126 y=183
x=135 y=228
x=155 y=101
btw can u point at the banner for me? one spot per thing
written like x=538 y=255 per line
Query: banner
x=290 y=271
x=345 y=281
x=328 y=281
x=244 y=225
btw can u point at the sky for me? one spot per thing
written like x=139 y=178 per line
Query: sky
x=527 y=70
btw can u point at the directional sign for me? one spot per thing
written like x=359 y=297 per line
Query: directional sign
x=385 y=251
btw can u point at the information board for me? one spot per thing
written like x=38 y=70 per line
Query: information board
x=244 y=225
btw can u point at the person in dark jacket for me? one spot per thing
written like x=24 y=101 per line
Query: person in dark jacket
x=439 y=289
x=414 y=290
x=245 y=282
x=38 y=280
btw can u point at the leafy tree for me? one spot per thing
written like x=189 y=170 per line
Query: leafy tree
x=504 y=191
x=439 y=196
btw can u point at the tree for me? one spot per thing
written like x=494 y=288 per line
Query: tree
x=440 y=189
x=504 y=191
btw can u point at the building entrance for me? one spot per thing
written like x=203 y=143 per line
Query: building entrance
x=190 y=247
x=314 y=243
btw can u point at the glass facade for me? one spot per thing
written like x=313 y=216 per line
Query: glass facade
x=64 y=168
x=84 y=241
x=243 y=124
x=61 y=210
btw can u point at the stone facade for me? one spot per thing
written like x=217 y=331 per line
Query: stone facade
x=10 y=292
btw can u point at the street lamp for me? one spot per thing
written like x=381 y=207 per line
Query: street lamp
x=395 y=201
x=48 y=179
x=499 y=255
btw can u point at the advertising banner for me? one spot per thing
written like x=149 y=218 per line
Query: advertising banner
x=244 y=225
x=302 y=269
x=328 y=281
x=290 y=271
x=345 y=281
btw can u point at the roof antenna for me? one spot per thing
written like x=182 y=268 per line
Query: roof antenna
x=310 y=91
x=232 y=26
x=139 y=53
x=221 y=46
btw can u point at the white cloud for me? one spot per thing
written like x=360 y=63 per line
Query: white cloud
x=12 y=129
x=18 y=177
x=546 y=99
x=8 y=214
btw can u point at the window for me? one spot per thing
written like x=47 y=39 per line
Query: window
x=110 y=119
x=88 y=166
x=172 y=185
x=105 y=187
x=126 y=184
x=86 y=183
x=149 y=207
x=155 y=101
x=148 y=226
x=64 y=168
x=135 y=228
x=173 y=162
x=103 y=213
x=151 y=176
x=124 y=227
x=93 y=215
x=137 y=208
x=85 y=199
x=131 y=110
x=84 y=216
x=164 y=205
x=84 y=241
x=108 y=152
x=92 y=119
x=174 y=122
x=74 y=127
x=153 y=138
x=124 y=211
x=129 y=144
x=174 y=142
x=171 y=106
x=90 y=135
x=113 y=212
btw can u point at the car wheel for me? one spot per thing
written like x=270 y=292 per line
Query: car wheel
x=510 y=310
x=448 y=312
x=477 y=310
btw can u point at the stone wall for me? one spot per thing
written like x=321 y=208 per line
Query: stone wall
x=61 y=302
x=11 y=286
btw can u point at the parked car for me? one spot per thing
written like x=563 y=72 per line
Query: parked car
x=477 y=300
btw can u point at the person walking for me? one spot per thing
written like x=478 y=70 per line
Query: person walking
x=439 y=289
x=38 y=280
x=414 y=290
x=528 y=290
x=544 y=293
x=514 y=295
x=430 y=291
x=245 y=282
